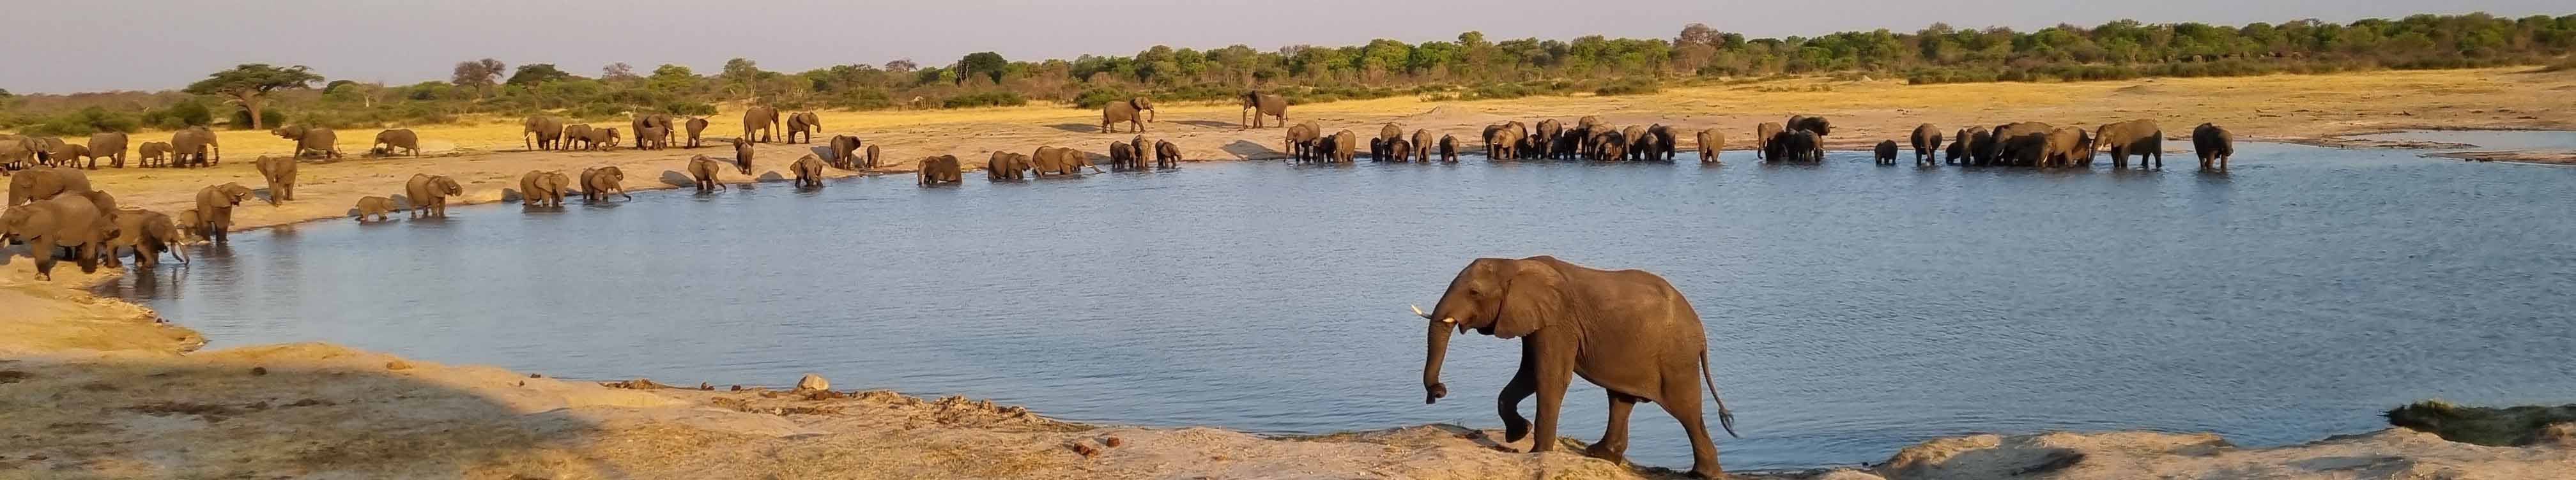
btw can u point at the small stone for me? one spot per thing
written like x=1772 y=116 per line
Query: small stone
x=702 y=386
x=397 y=365
x=258 y=371
x=532 y=375
x=1113 y=442
x=813 y=382
x=736 y=388
x=1085 y=449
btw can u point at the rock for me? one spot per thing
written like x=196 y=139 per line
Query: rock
x=1840 y=474
x=1113 y=442
x=1085 y=448
x=813 y=382
x=397 y=365
x=258 y=371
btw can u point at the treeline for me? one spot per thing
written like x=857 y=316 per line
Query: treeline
x=1470 y=67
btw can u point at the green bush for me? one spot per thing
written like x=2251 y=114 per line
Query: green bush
x=1097 y=97
x=684 y=107
x=84 y=122
x=861 y=99
x=186 y=113
x=1629 y=86
x=268 y=117
x=985 y=99
x=1499 y=91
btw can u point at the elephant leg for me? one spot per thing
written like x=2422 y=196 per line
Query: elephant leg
x=1554 y=371
x=1614 y=437
x=1681 y=397
x=44 y=252
x=1508 y=405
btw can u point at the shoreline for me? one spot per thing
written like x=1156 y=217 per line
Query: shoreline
x=107 y=383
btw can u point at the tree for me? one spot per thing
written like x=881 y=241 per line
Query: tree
x=478 y=74
x=4 y=93
x=619 y=71
x=249 y=84
x=537 y=73
x=740 y=70
x=987 y=63
x=901 y=65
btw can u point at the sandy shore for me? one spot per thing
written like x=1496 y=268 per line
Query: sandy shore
x=95 y=387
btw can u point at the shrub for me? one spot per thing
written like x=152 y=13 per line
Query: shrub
x=685 y=107
x=985 y=99
x=861 y=99
x=1097 y=97
x=84 y=122
x=186 y=113
x=1629 y=86
x=241 y=118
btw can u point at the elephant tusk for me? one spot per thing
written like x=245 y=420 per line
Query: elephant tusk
x=1417 y=311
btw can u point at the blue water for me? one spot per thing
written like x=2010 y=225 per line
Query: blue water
x=1852 y=309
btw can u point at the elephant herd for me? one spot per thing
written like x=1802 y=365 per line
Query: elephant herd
x=56 y=213
x=1801 y=138
x=2036 y=144
x=189 y=147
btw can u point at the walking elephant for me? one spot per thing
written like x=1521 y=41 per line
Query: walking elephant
x=597 y=183
x=372 y=205
x=939 y=170
x=196 y=146
x=742 y=155
x=214 y=218
x=1006 y=166
x=1267 y=104
x=153 y=154
x=1135 y=112
x=51 y=225
x=845 y=153
x=1927 y=141
x=310 y=140
x=107 y=144
x=578 y=133
x=429 y=194
x=541 y=133
x=804 y=124
x=2212 y=143
x=653 y=120
x=399 y=139
x=2135 y=137
x=1628 y=331
x=762 y=119
x=280 y=174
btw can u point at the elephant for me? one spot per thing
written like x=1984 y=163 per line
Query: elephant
x=1822 y=127
x=696 y=125
x=1710 y=143
x=662 y=137
x=1762 y=136
x=2212 y=142
x=1386 y=136
x=845 y=153
x=1927 y=141
x=1006 y=166
x=15 y=153
x=58 y=223
x=1885 y=153
x=805 y=124
x=2018 y=144
x=1501 y=142
x=1167 y=154
x=1448 y=149
x=872 y=157
x=147 y=233
x=2067 y=147
x=1795 y=145
x=1144 y=151
x=652 y=137
x=575 y=133
x=541 y=132
x=374 y=205
x=1614 y=146
x=153 y=154
x=596 y=183
x=429 y=194
x=1972 y=146
x=705 y=171
x=1045 y=161
x=214 y=213
x=1301 y=140
x=742 y=155
x=1127 y=112
x=397 y=139
x=601 y=138
x=1324 y=147
x=197 y=146
x=107 y=144
x=1269 y=104
x=1628 y=331
x=763 y=119
x=1400 y=149
x=310 y=139
x=1345 y=146
x=45 y=183
x=49 y=150
x=1547 y=133
x=808 y=170
x=188 y=226
x=940 y=170
x=1663 y=142
x=543 y=188
x=2140 y=137
x=68 y=154
x=280 y=173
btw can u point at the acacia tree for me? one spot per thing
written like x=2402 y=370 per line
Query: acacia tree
x=987 y=63
x=479 y=74
x=249 y=84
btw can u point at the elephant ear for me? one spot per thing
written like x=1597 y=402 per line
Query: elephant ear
x=1534 y=298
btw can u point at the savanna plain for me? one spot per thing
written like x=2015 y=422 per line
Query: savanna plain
x=98 y=387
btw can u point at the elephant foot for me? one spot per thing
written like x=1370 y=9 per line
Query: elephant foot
x=1605 y=451
x=1515 y=429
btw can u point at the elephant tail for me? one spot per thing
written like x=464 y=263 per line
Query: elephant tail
x=1725 y=418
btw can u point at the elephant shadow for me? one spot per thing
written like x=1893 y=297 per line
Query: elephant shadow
x=1207 y=123
x=1247 y=150
x=304 y=416
x=1077 y=127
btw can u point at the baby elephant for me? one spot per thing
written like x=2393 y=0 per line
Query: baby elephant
x=374 y=205
x=809 y=171
x=280 y=172
x=1886 y=152
x=742 y=155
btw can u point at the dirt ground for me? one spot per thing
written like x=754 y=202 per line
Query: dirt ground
x=99 y=388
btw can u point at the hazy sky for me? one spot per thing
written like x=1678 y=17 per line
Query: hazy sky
x=158 y=44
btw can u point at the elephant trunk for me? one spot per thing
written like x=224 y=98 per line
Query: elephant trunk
x=1149 y=115
x=1433 y=356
